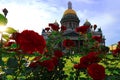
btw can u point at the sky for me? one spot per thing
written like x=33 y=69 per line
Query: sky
x=36 y=14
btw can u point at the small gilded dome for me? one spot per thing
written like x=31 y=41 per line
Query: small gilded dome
x=69 y=11
x=56 y=23
x=87 y=23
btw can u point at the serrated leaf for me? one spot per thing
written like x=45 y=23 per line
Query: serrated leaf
x=10 y=30
x=3 y=20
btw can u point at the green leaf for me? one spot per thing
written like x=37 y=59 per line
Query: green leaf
x=43 y=58
x=79 y=38
x=3 y=20
x=89 y=35
x=10 y=30
x=37 y=54
x=9 y=71
x=12 y=53
x=12 y=63
x=14 y=46
x=5 y=36
x=1 y=62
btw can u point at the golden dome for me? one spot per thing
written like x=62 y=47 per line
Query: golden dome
x=69 y=11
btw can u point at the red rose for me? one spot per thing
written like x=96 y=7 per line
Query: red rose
x=54 y=27
x=89 y=59
x=34 y=64
x=30 y=41
x=93 y=57
x=68 y=43
x=77 y=66
x=49 y=64
x=9 y=43
x=97 y=38
x=95 y=26
x=96 y=71
x=82 y=29
x=84 y=62
x=118 y=42
x=37 y=58
x=58 y=53
x=54 y=60
x=63 y=28
x=115 y=52
x=47 y=29
x=80 y=66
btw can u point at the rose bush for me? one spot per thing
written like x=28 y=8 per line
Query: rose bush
x=27 y=55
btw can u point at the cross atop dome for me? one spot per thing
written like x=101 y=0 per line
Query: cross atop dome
x=69 y=5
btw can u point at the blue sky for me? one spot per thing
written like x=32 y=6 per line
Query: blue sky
x=36 y=14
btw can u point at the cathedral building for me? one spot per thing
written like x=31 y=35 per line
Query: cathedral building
x=71 y=21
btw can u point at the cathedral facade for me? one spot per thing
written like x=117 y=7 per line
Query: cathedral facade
x=71 y=21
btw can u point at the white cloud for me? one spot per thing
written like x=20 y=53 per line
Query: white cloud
x=104 y=20
x=36 y=14
x=33 y=17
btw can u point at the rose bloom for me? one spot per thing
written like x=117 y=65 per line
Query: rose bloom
x=80 y=66
x=47 y=29
x=93 y=57
x=63 y=28
x=97 y=38
x=96 y=71
x=115 y=52
x=30 y=41
x=58 y=53
x=82 y=29
x=55 y=60
x=54 y=27
x=119 y=43
x=34 y=64
x=77 y=66
x=87 y=60
x=84 y=62
x=49 y=64
x=68 y=43
x=9 y=43
x=95 y=26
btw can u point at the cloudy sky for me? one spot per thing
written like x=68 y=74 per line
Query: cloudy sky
x=36 y=14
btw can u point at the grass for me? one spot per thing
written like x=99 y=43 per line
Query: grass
x=111 y=64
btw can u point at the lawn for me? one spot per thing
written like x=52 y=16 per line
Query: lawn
x=111 y=64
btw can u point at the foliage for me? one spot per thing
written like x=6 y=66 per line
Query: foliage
x=28 y=56
x=3 y=20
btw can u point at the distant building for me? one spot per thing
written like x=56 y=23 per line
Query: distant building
x=71 y=21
